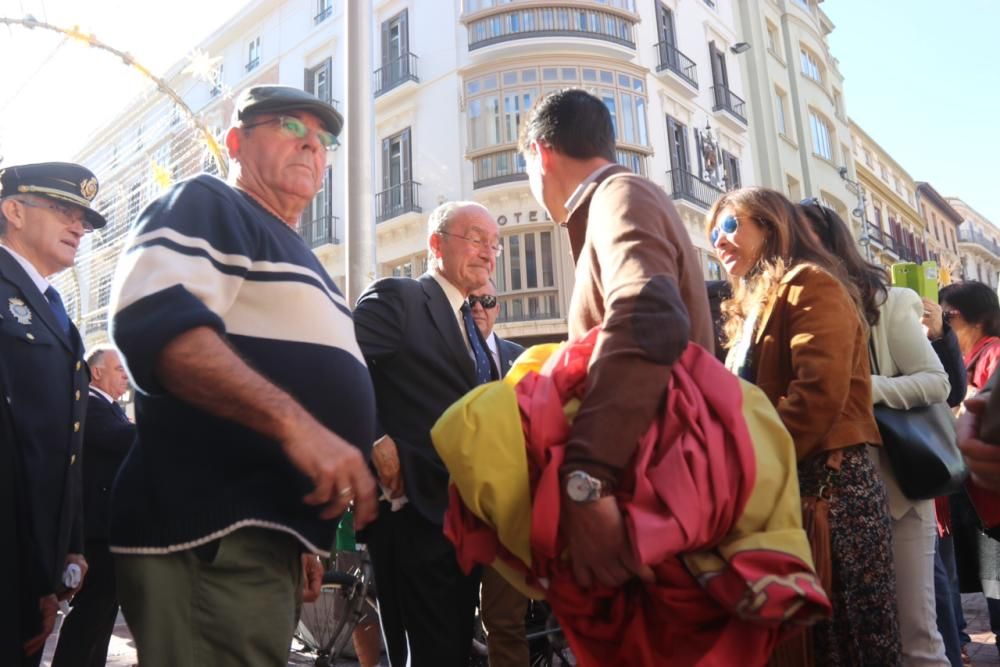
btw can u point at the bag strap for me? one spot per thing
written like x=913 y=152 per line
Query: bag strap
x=872 y=357
x=832 y=466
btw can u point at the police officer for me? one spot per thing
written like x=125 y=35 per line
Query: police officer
x=45 y=210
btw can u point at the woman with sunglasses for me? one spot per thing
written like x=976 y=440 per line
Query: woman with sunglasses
x=794 y=326
x=908 y=374
x=972 y=310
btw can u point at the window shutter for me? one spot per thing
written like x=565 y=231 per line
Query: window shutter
x=406 y=157
x=308 y=81
x=385 y=164
x=719 y=74
x=385 y=47
x=404 y=32
x=701 y=154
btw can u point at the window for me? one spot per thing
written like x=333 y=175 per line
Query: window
x=217 y=82
x=804 y=4
x=104 y=291
x=525 y=277
x=868 y=159
x=780 y=101
x=395 y=52
x=318 y=228
x=884 y=171
x=773 y=40
x=731 y=171
x=253 y=53
x=821 y=136
x=317 y=80
x=810 y=66
x=498 y=101
x=399 y=192
x=324 y=8
x=677 y=144
x=794 y=191
x=838 y=104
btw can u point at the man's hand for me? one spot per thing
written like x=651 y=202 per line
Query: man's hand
x=598 y=544
x=48 y=605
x=81 y=562
x=337 y=470
x=983 y=458
x=312 y=577
x=385 y=456
x=933 y=320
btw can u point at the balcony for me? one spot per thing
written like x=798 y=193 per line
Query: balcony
x=320 y=231
x=684 y=185
x=253 y=63
x=395 y=73
x=727 y=100
x=528 y=306
x=397 y=200
x=876 y=235
x=979 y=239
x=672 y=60
x=634 y=160
x=534 y=22
x=496 y=168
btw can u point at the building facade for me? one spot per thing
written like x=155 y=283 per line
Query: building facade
x=799 y=127
x=942 y=222
x=892 y=228
x=978 y=245
x=451 y=82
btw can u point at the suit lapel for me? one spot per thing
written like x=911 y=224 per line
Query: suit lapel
x=12 y=271
x=447 y=325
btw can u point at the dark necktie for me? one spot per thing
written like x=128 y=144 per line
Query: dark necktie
x=58 y=309
x=484 y=368
x=118 y=411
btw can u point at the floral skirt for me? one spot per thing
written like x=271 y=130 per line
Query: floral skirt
x=864 y=628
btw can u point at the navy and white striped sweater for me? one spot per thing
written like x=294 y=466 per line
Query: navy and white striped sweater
x=206 y=254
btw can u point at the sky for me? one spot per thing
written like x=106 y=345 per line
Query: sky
x=921 y=78
x=54 y=93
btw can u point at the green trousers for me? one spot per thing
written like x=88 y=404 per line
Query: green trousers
x=231 y=602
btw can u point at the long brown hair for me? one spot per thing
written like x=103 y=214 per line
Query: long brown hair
x=788 y=242
x=871 y=279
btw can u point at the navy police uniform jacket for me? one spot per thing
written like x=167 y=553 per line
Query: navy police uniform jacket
x=44 y=383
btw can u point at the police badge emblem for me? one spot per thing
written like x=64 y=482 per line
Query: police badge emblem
x=20 y=310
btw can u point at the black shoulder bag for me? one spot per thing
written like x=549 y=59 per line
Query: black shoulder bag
x=922 y=448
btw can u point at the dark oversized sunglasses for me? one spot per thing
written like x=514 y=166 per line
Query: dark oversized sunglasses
x=827 y=232
x=486 y=300
x=728 y=226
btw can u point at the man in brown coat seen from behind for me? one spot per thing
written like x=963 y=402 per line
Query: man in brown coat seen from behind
x=638 y=277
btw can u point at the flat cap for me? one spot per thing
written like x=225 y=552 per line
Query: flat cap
x=275 y=99
x=62 y=181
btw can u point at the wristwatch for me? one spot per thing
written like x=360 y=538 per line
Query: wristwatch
x=584 y=488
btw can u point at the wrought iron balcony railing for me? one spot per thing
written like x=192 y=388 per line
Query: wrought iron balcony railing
x=672 y=59
x=397 y=200
x=320 y=231
x=685 y=185
x=395 y=73
x=727 y=100
x=557 y=21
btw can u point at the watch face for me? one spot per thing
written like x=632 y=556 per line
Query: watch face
x=579 y=487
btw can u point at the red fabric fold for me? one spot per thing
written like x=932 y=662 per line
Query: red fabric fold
x=689 y=482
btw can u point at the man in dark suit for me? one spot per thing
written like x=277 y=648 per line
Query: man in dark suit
x=424 y=352
x=503 y=606
x=84 y=636
x=45 y=209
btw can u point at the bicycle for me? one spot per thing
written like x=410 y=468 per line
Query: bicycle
x=547 y=645
x=347 y=597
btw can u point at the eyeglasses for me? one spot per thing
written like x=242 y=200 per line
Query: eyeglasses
x=827 y=232
x=487 y=301
x=948 y=315
x=293 y=126
x=728 y=226
x=496 y=248
x=71 y=214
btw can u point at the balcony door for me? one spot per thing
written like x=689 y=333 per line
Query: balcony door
x=396 y=170
x=720 y=75
x=395 y=47
x=667 y=36
x=677 y=146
